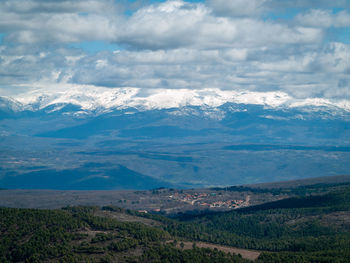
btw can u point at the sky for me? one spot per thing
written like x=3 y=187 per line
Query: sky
x=298 y=47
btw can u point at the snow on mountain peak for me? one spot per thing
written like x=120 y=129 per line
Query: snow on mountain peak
x=91 y=98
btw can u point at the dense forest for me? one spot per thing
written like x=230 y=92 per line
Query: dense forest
x=299 y=190
x=311 y=228
x=314 y=228
x=76 y=235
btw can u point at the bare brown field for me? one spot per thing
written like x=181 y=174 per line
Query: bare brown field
x=127 y=218
x=245 y=253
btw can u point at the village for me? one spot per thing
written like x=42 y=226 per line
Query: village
x=209 y=200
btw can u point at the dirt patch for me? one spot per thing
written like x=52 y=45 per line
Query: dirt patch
x=340 y=220
x=128 y=218
x=247 y=254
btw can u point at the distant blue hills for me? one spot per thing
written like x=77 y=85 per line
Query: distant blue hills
x=83 y=178
x=179 y=147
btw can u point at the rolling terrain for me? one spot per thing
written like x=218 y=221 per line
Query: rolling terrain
x=174 y=131
x=171 y=201
x=51 y=143
x=310 y=224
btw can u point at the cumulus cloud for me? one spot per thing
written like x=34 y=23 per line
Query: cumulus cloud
x=53 y=22
x=176 y=24
x=324 y=18
x=238 y=8
x=227 y=45
x=308 y=74
x=51 y=6
x=173 y=24
x=278 y=4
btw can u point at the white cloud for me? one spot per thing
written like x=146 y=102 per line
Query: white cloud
x=63 y=6
x=336 y=58
x=175 y=45
x=305 y=74
x=176 y=24
x=51 y=22
x=237 y=8
x=278 y=4
x=292 y=64
x=57 y=28
x=324 y=18
x=173 y=24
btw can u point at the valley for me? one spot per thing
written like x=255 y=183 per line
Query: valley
x=186 y=147
x=172 y=201
x=174 y=131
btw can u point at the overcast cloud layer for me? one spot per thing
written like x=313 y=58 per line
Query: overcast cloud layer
x=236 y=45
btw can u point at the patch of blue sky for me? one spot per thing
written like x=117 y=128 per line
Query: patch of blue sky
x=1 y=37
x=288 y=14
x=96 y=46
x=340 y=35
x=337 y=10
x=83 y=14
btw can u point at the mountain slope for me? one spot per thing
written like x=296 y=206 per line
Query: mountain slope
x=225 y=138
x=104 y=99
x=83 y=178
x=316 y=229
x=305 y=229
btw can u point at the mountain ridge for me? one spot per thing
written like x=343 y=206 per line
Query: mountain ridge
x=102 y=100
x=229 y=143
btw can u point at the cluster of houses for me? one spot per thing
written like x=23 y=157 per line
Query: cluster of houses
x=204 y=199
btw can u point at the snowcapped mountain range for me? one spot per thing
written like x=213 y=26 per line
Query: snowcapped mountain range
x=100 y=100
x=95 y=138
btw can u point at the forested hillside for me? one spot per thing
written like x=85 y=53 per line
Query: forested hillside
x=304 y=229
x=313 y=228
x=76 y=235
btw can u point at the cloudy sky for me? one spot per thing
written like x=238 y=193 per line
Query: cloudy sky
x=300 y=47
